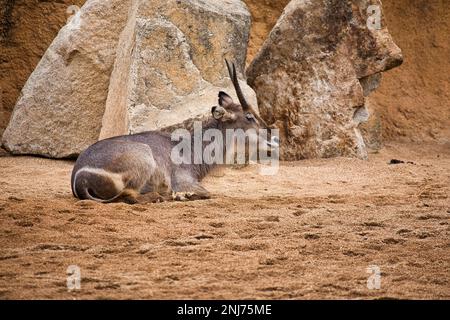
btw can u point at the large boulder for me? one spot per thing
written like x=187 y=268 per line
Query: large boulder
x=171 y=64
x=314 y=70
x=128 y=66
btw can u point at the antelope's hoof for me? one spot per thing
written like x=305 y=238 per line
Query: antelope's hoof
x=183 y=196
x=158 y=200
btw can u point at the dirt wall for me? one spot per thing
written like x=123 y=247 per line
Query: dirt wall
x=413 y=101
x=27 y=27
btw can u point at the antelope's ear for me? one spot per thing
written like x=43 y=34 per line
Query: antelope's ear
x=224 y=99
x=219 y=113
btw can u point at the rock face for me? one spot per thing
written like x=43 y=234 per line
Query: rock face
x=171 y=66
x=313 y=72
x=128 y=66
x=265 y=14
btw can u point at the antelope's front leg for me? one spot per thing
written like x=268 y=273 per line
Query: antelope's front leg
x=155 y=189
x=185 y=187
x=191 y=193
x=152 y=197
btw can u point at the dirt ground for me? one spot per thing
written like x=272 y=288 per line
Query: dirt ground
x=309 y=232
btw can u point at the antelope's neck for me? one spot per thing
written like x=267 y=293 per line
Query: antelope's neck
x=201 y=170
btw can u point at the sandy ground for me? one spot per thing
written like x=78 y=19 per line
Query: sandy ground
x=309 y=232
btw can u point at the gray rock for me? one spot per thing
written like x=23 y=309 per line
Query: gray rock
x=176 y=67
x=307 y=75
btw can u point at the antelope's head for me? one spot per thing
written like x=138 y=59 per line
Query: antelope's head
x=233 y=115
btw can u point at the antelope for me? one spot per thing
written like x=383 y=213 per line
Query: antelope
x=138 y=168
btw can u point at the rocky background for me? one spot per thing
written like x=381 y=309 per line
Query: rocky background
x=411 y=104
x=413 y=100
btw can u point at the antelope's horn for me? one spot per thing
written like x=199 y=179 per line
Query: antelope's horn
x=237 y=87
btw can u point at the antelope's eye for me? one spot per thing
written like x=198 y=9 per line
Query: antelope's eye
x=250 y=117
